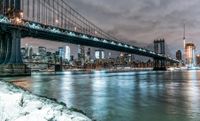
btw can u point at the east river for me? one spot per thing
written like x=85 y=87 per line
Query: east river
x=123 y=96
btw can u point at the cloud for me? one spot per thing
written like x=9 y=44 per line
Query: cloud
x=144 y=20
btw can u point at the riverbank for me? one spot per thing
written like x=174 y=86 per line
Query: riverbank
x=17 y=104
x=89 y=71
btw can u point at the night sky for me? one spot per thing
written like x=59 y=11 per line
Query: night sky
x=145 y=20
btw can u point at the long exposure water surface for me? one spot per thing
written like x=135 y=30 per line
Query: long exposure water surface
x=125 y=96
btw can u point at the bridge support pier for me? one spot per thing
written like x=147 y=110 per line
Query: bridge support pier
x=159 y=47
x=159 y=64
x=11 y=63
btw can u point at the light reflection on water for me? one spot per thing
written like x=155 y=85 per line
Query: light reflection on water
x=125 y=96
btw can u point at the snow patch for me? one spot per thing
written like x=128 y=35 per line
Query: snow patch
x=19 y=105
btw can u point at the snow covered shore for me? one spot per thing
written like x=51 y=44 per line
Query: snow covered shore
x=19 y=105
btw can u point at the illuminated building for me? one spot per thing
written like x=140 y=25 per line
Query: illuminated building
x=99 y=54
x=190 y=54
x=61 y=51
x=64 y=52
x=67 y=53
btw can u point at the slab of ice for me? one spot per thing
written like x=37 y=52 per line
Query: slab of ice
x=19 y=105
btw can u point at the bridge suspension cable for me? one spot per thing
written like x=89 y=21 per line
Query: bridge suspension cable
x=59 y=13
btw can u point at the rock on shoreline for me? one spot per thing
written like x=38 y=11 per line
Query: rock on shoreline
x=19 y=105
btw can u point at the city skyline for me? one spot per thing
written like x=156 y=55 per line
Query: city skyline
x=116 y=60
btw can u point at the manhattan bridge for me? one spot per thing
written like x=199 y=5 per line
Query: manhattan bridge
x=55 y=20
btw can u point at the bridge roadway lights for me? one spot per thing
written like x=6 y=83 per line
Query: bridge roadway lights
x=11 y=63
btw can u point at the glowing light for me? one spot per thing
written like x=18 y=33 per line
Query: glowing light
x=95 y=39
x=105 y=41
x=125 y=45
x=55 y=30
x=17 y=20
x=21 y=14
x=120 y=44
x=84 y=36
x=113 y=43
x=71 y=34
x=4 y=19
x=56 y=21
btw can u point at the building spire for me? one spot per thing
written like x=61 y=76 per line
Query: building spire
x=184 y=37
x=184 y=32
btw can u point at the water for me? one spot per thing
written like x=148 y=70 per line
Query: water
x=127 y=96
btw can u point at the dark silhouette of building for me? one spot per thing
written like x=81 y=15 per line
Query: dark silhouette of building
x=198 y=60
x=178 y=55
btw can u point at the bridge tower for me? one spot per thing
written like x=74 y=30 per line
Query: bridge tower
x=10 y=41
x=159 y=47
x=10 y=53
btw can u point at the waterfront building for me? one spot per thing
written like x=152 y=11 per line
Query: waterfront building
x=42 y=51
x=88 y=54
x=67 y=53
x=30 y=53
x=81 y=54
x=99 y=54
x=190 y=54
x=61 y=51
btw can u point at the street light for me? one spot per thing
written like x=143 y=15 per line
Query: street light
x=56 y=21
x=21 y=14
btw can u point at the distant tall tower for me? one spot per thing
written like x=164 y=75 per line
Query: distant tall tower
x=178 y=55
x=184 y=38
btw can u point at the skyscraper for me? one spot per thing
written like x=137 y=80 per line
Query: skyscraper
x=190 y=54
x=61 y=52
x=184 y=42
x=81 y=54
x=88 y=54
x=178 y=55
x=198 y=60
x=100 y=54
x=42 y=51
x=67 y=53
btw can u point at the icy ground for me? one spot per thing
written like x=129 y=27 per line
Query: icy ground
x=19 y=105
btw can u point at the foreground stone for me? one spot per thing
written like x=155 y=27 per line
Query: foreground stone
x=19 y=105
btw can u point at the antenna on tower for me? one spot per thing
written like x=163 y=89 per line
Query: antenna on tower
x=184 y=32
x=184 y=37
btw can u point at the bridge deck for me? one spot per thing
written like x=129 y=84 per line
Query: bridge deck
x=41 y=31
